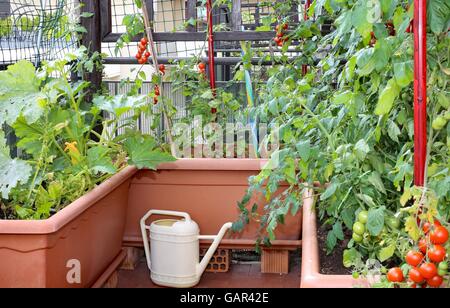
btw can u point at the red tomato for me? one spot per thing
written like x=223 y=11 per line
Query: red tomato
x=155 y=100
x=423 y=245
x=162 y=68
x=142 y=47
x=427 y=226
x=439 y=235
x=147 y=54
x=395 y=274
x=280 y=43
x=428 y=270
x=435 y=281
x=142 y=60
x=414 y=258
x=213 y=110
x=144 y=41
x=277 y=40
x=157 y=93
x=202 y=66
x=415 y=275
x=280 y=35
x=285 y=26
x=138 y=56
x=437 y=253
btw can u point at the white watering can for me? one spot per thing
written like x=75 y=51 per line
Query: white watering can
x=174 y=257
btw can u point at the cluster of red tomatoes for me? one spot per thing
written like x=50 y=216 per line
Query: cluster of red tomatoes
x=202 y=68
x=143 y=54
x=428 y=263
x=281 y=34
x=162 y=70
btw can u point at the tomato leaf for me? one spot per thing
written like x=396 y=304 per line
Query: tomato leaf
x=411 y=228
x=375 y=221
x=331 y=189
x=304 y=149
x=375 y=179
x=387 y=97
x=386 y=252
x=438 y=12
x=404 y=73
x=362 y=149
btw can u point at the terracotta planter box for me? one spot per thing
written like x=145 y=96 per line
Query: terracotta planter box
x=310 y=275
x=208 y=189
x=90 y=230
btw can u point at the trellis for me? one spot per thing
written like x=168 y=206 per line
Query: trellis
x=36 y=30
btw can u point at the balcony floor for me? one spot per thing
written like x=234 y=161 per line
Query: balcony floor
x=243 y=275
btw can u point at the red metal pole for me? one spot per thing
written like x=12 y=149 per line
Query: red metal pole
x=307 y=5
x=420 y=91
x=212 y=69
x=305 y=17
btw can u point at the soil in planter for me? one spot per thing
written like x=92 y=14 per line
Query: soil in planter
x=331 y=264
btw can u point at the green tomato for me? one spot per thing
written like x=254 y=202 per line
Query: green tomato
x=357 y=238
x=355 y=275
x=443 y=266
x=447 y=115
x=383 y=270
x=362 y=216
x=439 y=123
x=358 y=228
x=393 y=222
x=442 y=272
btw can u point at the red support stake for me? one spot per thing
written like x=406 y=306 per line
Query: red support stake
x=212 y=69
x=305 y=17
x=420 y=91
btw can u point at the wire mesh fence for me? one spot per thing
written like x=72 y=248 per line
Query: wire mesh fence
x=36 y=30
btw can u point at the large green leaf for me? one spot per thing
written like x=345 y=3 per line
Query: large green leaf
x=99 y=160
x=142 y=152
x=19 y=93
x=30 y=136
x=360 y=19
x=387 y=97
x=386 y=253
x=366 y=61
x=120 y=104
x=404 y=73
x=12 y=171
x=438 y=12
x=375 y=221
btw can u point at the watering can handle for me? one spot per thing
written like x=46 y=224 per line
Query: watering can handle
x=144 y=228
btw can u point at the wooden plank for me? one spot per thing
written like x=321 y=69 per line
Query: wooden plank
x=169 y=60
x=92 y=39
x=5 y=8
x=236 y=16
x=150 y=10
x=105 y=17
x=191 y=12
x=197 y=36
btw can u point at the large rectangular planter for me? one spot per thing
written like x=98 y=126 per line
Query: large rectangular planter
x=310 y=275
x=208 y=189
x=85 y=236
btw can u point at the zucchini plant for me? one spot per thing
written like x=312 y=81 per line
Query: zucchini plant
x=64 y=155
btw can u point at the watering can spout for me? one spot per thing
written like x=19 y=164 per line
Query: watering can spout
x=217 y=238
